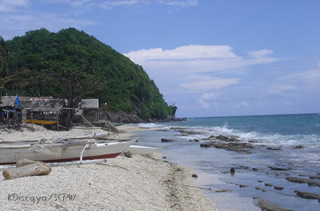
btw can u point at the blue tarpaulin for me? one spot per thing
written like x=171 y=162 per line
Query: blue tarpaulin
x=18 y=103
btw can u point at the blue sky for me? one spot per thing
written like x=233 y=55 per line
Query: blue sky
x=209 y=57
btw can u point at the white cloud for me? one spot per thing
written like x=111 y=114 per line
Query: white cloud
x=278 y=88
x=105 y=4
x=75 y=3
x=305 y=75
x=199 y=69
x=205 y=83
x=243 y=104
x=260 y=53
x=118 y=3
x=108 y=4
x=183 y=53
x=10 y=5
x=207 y=99
x=303 y=80
x=181 y=3
x=198 y=58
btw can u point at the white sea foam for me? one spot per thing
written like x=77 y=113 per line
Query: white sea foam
x=148 y=125
x=267 y=139
x=153 y=126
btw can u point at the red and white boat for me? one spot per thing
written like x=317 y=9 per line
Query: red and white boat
x=71 y=150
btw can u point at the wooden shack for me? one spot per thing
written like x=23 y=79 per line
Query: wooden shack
x=44 y=111
x=10 y=112
x=90 y=109
x=37 y=110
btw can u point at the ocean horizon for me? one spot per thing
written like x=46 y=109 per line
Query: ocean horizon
x=248 y=115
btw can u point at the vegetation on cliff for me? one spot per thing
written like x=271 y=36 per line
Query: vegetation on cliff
x=72 y=64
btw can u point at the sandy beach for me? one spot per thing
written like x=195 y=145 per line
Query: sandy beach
x=137 y=183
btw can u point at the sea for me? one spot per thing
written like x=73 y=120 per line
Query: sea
x=277 y=147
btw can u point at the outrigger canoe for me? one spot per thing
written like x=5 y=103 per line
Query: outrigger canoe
x=69 y=150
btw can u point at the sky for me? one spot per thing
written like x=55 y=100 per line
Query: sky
x=208 y=57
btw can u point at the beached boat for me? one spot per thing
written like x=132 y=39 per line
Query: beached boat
x=63 y=151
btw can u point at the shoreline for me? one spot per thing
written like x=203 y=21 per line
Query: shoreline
x=244 y=170
x=137 y=183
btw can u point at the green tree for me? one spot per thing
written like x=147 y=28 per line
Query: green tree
x=129 y=88
x=76 y=82
x=8 y=79
x=173 y=109
x=3 y=64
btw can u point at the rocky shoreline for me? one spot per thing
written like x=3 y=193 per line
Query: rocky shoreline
x=276 y=171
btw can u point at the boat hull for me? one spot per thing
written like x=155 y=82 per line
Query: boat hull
x=56 y=153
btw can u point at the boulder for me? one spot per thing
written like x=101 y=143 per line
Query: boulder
x=236 y=147
x=209 y=138
x=307 y=195
x=298 y=147
x=194 y=140
x=242 y=167
x=273 y=148
x=223 y=191
x=167 y=140
x=206 y=144
x=127 y=154
x=194 y=175
x=275 y=168
x=302 y=180
x=278 y=188
x=232 y=171
x=315 y=177
x=268 y=206
x=176 y=128
x=190 y=132
x=263 y=190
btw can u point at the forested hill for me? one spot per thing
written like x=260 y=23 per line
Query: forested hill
x=95 y=70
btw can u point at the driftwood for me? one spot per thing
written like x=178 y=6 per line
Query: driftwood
x=85 y=121
x=27 y=169
x=24 y=162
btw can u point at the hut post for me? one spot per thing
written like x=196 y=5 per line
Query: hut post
x=31 y=112
x=58 y=120
x=23 y=116
x=7 y=117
